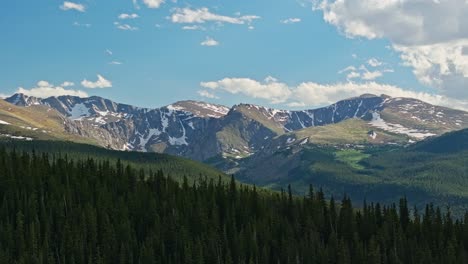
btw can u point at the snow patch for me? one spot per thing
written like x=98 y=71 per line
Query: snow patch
x=378 y=122
x=144 y=139
x=358 y=108
x=100 y=120
x=190 y=124
x=164 y=121
x=4 y=123
x=29 y=128
x=175 y=108
x=180 y=140
x=79 y=111
x=102 y=113
x=16 y=137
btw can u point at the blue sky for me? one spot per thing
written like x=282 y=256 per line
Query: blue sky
x=283 y=54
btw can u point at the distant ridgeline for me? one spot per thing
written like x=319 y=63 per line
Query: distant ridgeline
x=83 y=210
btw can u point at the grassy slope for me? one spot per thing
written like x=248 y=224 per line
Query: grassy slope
x=258 y=116
x=46 y=122
x=351 y=131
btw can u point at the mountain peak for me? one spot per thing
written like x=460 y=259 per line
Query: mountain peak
x=21 y=99
x=200 y=109
x=368 y=95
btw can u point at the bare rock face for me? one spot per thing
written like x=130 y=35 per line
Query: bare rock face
x=201 y=131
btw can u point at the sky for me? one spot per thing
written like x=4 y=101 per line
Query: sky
x=292 y=54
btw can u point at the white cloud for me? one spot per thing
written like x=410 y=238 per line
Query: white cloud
x=128 y=16
x=44 y=84
x=444 y=66
x=153 y=3
x=430 y=35
x=347 y=69
x=270 y=79
x=193 y=27
x=209 y=42
x=371 y=75
x=72 y=6
x=203 y=15
x=313 y=94
x=125 y=26
x=290 y=21
x=273 y=91
x=135 y=4
x=78 y=24
x=373 y=62
x=109 y=52
x=408 y=22
x=44 y=89
x=363 y=73
x=67 y=84
x=207 y=94
x=115 y=63
x=100 y=83
x=353 y=75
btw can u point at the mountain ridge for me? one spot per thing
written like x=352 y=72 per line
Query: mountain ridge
x=201 y=130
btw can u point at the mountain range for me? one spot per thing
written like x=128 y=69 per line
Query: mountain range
x=371 y=147
x=203 y=131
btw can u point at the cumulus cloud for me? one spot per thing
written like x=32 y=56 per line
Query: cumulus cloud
x=100 y=83
x=153 y=3
x=67 y=84
x=44 y=89
x=72 y=6
x=203 y=15
x=444 y=66
x=371 y=75
x=353 y=75
x=270 y=90
x=209 y=42
x=363 y=73
x=125 y=27
x=207 y=94
x=128 y=16
x=312 y=94
x=431 y=36
x=290 y=21
x=373 y=62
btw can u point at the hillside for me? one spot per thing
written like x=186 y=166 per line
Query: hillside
x=452 y=142
x=175 y=167
x=36 y=122
x=72 y=210
x=367 y=172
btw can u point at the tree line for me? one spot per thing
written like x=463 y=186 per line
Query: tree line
x=57 y=209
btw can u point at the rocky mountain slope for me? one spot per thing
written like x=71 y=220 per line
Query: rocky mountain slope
x=203 y=131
